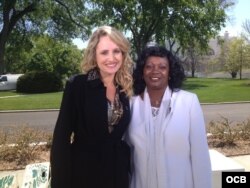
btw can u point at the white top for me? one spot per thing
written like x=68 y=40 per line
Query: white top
x=169 y=150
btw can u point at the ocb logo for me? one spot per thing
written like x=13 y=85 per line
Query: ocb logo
x=236 y=179
x=239 y=179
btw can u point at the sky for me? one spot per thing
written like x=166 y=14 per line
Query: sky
x=238 y=14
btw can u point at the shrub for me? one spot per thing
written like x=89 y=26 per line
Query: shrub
x=39 y=82
x=224 y=133
x=21 y=145
x=245 y=130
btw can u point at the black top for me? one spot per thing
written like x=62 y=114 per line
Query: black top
x=95 y=158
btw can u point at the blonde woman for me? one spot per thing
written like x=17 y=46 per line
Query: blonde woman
x=87 y=148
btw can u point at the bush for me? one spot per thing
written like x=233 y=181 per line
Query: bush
x=226 y=134
x=22 y=145
x=245 y=130
x=39 y=82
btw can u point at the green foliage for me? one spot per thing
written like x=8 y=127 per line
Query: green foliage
x=39 y=62
x=233 y=57
x=39 y=82
x=64 y=57
x=183 y=21
x=45 y=54
x=61 y=20
x=17 y=52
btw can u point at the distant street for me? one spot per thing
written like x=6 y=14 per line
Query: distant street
x=238 y=112
x=41 y=119
x=47 y=119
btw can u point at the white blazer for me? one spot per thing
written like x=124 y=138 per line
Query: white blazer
x=171 y=152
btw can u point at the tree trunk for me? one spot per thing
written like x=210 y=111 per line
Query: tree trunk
x=233 y=74
x=193 y=73
x=240 y=73
x=2 y=45
x=2 y=67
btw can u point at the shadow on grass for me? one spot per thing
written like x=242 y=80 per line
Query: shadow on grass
x=193 y=86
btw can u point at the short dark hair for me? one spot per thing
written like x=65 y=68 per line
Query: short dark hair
x=176 y=71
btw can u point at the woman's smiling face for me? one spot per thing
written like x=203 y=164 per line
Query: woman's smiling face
x=156 y=72
x=108 y=56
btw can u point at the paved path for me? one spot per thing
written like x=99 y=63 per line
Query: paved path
x=244 y=160
x=40 y=119
x=235 y=112
x=46 y=119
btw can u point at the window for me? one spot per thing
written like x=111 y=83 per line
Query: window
x=3 y=79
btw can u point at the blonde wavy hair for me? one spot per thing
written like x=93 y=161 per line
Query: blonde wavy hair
x=123 y=77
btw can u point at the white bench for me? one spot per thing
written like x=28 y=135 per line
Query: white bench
x=221 y=163
x=37 y=175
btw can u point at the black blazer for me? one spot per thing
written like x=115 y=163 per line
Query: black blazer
x=92 y=157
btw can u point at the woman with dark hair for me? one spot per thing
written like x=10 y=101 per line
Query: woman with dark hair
x=167 y=131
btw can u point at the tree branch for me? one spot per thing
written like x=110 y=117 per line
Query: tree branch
x=17 y=15
x=69 y=13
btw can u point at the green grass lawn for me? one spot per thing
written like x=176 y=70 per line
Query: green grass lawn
x=18 y=101
x=209 y=90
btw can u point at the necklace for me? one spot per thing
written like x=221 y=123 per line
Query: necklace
x=156 y=99
x=155 y=111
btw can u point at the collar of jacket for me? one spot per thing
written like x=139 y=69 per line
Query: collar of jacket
x=94 y=79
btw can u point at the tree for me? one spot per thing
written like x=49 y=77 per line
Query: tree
x=60 y=19
x=183 y=21
x=66 y=59
x=223 y=42
x=55 y=56
x=196 y=59
x=39 y=62
x=237 y=56
x=246 y=28
x=17 y=53
x=191 y=60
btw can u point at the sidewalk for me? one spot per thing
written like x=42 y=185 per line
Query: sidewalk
x=244 y=160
